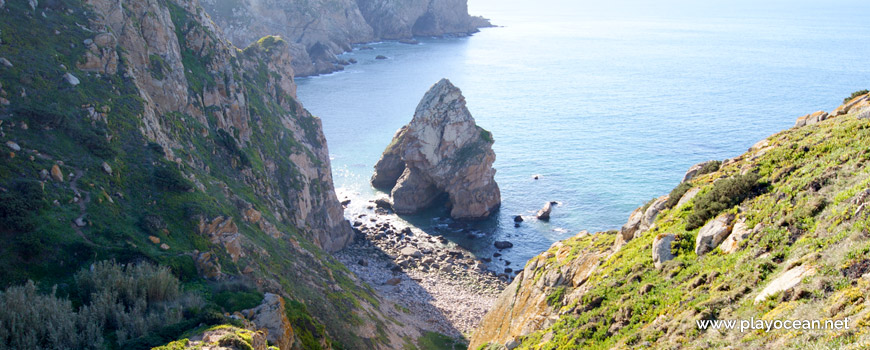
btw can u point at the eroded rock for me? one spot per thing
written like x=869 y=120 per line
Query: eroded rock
x=661 y=250
x=788 y=280
x=713 y=233
x=441 y=151
x=270 y=315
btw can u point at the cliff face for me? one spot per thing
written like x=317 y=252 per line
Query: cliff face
x=441 y=151
x=135 y=132
x=778 y=233
x=319 y=30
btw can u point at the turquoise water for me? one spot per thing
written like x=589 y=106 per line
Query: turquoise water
x=609 y=108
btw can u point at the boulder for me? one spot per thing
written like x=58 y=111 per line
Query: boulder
x=441 y=151
x=383 y=203
x=518 y=218
x=739 y=233
x=270 y=315
x=56 y=174
x=661 y=250
x=693 y=171
x=713 y=233
x=5 y=62
x=787 y=281
x=154 y=239
x=649 y=216
x=411 y=252
x=71 y=79
x=544 y=213
x=811 y=118
x=106 y=168
x=13 y=146
x=631 y=227
x=691 y=193
x=393 y=281
x=503 y=245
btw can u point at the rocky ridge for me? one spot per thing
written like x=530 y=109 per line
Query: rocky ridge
x=441 y=151
x=319 y=30
x=779 y=232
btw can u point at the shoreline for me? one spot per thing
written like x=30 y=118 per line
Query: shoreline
x=433 y=279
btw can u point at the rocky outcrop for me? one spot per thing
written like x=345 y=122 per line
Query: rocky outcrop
x=854 y=105
x=271 y=317
x=319 y=30
x=713 y=233
x=524 y=306
x=442 y=151
x=739 y=233
x=698 y=168
x=652 y=212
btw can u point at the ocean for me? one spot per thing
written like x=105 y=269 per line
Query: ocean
x=609 y=104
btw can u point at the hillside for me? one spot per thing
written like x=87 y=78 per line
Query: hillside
x=156 y=179
x=319 y=30
x=778 y=233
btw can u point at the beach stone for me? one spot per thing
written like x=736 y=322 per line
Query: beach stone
x=412 y=252
x=363 y=262
x=502 y=245
x=383 y=203
x=393 y=281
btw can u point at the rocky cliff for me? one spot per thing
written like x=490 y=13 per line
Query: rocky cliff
x=442 y=151
x=319 y=30
x=778 y=233
x=134 y=132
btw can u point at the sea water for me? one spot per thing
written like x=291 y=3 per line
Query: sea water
x=609 y=105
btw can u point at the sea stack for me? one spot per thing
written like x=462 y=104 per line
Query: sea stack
x=441 y=151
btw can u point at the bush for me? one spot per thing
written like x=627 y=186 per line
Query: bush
x=29 y=320
x=725 y=194
x=677 y=193
x=129 y=300
x=229 y=142
x=168 y=177
x=856 y=94
x=709 y=167
x=19 y=204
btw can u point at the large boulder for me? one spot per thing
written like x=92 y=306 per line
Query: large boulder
x=544 y=213
x=652 y=212
x=739 y=233
x=788 y=280
x=713 y=233
x=691 y=193
x=661 y=250
x=632 y=226
x=442 y=151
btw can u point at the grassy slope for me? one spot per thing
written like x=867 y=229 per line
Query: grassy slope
x=42 y=244
x=805 y=216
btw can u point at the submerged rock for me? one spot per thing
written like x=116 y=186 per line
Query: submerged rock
x=442 y=151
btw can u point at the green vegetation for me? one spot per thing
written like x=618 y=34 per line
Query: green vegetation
x=677 y=193
x=856 y=94
x=709 y=167
x=800 y=199
x=725 y=194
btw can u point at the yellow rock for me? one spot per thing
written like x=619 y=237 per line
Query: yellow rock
x=155 y=240
x=56 y=174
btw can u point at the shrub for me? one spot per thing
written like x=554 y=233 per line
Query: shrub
x=169 y=178
x=709 y=167
x=725 y=194
x=129 y=300
x=677 y=193
x=19 y=204
x=856 y=94
x=232 y=340
x=29 y=320
x=229 y=142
